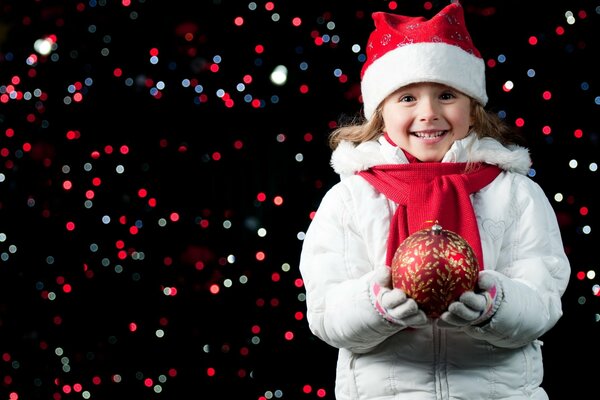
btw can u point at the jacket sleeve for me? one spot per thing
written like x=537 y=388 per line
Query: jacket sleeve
x=534 y=275
x=336 y=270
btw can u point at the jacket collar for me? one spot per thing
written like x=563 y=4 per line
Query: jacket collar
x=348 y=159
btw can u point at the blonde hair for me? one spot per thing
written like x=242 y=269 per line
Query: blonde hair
x=486 y=124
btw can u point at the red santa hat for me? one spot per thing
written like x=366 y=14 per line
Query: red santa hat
x=404 y=50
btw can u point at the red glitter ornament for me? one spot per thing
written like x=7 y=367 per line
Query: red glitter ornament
x=434 y=266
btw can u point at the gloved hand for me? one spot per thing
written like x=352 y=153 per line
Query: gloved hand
x=393 y=304
x=474 y=308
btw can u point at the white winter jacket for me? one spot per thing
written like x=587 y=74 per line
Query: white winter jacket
x=521 y=242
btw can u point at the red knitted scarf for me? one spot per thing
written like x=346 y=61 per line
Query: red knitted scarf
x=432 y=191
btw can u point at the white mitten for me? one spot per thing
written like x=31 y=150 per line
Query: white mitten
x=393 y=304
x=474 y=308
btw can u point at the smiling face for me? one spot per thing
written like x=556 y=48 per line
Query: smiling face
x=425 y=119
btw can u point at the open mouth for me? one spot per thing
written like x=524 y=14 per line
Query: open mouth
x=429 y=134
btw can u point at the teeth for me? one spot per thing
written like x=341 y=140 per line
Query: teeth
x=429 y=135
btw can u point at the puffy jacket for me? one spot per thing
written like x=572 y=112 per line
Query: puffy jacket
x=522 y=246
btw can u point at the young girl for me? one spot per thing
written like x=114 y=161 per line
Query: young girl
x=427 y=150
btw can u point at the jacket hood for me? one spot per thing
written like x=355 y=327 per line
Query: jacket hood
x=348 y=159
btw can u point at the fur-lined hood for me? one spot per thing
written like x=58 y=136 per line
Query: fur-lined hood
x=347 y=159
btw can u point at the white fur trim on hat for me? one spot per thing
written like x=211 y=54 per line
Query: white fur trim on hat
x=423 y=62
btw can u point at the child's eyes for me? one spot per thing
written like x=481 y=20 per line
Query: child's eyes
x=407 y=98
x=447 y=96
x=443 y=96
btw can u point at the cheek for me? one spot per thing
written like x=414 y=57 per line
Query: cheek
x=393 y=120
x=467 y=119
x=387 y=118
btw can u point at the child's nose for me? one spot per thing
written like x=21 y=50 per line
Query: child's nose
x=428 y=109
